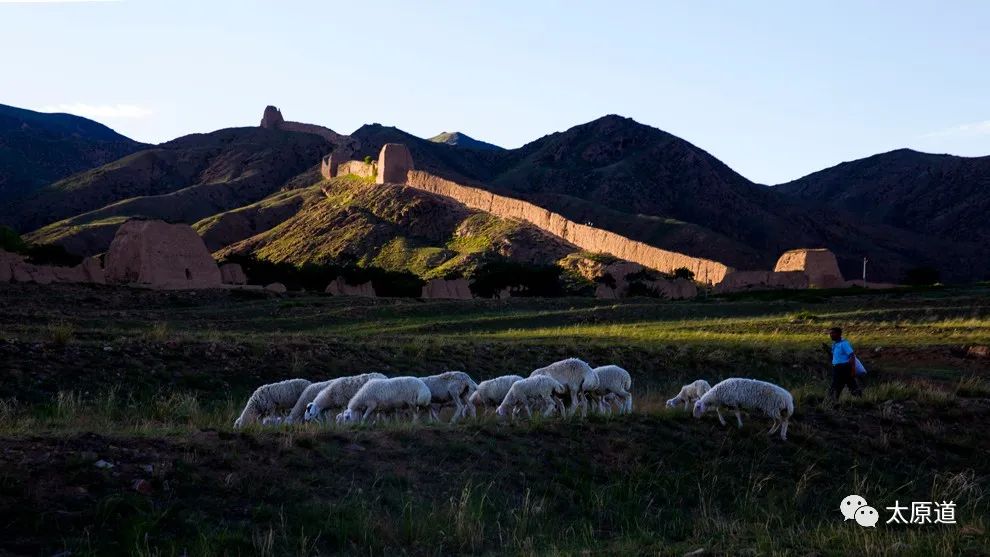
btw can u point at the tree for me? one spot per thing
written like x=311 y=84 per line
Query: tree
x=684 y=273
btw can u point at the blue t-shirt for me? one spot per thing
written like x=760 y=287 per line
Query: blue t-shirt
x=841 y=351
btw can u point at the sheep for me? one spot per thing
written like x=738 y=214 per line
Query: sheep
x=540 y=387
x=490 y=393
x=270 y=398
x=612 y=380
x=736 y=393
x=338 y=393
x=299 y=410
x=451 y=387
x=689 y=394
x=387 y=394
x=576 y=376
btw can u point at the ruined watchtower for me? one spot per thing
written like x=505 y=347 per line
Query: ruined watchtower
x=394 y=163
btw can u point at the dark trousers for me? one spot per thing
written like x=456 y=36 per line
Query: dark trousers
x=844 y=375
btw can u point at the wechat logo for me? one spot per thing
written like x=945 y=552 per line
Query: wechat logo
x=854 y=507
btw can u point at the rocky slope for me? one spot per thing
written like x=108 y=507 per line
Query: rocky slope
x=38 y=148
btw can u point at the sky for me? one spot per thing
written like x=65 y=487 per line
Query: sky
x=776 y=90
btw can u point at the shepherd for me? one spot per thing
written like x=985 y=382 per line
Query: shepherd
x=843 y=365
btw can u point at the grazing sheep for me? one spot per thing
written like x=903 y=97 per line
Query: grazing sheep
x=270 y=398
x=387 y=394
x=452 y=387
x=738 y=393
x=539 y=388
x=492 y=392
x=612 y=380
x=689 y=394
x=576 y=376
x=299 y=410
x=337 y=394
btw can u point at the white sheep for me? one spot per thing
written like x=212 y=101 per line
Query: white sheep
x=613 y=383
x=451 y=387
x=737 y=393
x=491 y=393
x=576 y=376
x=398 y=393
x=689 y=394
x=541 y=388
x=299 y=410
x=338 y=393
x=270 y=398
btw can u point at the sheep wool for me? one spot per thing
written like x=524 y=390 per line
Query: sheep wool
x=337 y=393
x=270 y=398
x=613 y=382
x=576 y=376
x=451 y=388
x=377 y=395
x=541 y=388
x=491 y=392
x=737 y=393
x=299 y=410
x=689 y=394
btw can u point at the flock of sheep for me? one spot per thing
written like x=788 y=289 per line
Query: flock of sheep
x=562 y=388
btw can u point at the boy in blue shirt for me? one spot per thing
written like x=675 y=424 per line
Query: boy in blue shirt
x=843 y=366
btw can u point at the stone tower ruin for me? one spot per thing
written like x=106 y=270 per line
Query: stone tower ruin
x=394 y=163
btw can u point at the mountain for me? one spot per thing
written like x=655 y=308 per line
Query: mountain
x=38 y=148
x=458 y=139
x=942 y=196
x=183 y=180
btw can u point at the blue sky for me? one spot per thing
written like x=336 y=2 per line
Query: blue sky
x=774 y=89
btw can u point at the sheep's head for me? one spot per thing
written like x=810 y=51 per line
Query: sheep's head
x=312 y=412
x=347 y=416
x=699 y=408
x=501 y=411
x=674 y=402
x=475 y=398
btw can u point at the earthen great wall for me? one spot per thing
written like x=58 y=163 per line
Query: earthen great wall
x=583 y=236
x=796 y=269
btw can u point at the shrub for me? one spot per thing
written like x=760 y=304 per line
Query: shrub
x=524 y=279
x=61 y=332
x=367 y=159
x=11 y=241
x=684 y=273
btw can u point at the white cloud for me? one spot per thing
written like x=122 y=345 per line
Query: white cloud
x=963 y=130
x=97 y=111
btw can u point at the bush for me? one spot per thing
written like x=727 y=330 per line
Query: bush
x=684 y=273
x=11 y=241
x=524 y=279
x=367 y=159
x=921 y=276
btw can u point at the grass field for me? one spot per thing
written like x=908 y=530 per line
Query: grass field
x=150 y=383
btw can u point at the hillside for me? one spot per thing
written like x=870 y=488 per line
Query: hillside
x=38 y=148
x=464 y=141
x=939 y=195
x=184 y=180
x=395 y=228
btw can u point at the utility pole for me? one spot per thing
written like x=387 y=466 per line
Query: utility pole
x=864 y=272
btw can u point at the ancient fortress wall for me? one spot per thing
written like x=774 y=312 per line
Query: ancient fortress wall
x=358 y=168
x=582 y=236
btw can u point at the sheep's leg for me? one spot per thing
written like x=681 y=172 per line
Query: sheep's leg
x=627 y=403
x=783 y=429
x=718 y=412
x=459 y=411
x=414 y=410
x=688 y=404
x=367 y=412
x=548 y=406
x=469 y=407
x=738 y=417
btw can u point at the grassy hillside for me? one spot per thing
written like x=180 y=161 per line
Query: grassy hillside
x=151 y=381
x=395 y=228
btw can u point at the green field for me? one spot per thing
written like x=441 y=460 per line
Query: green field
x=152 y=381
